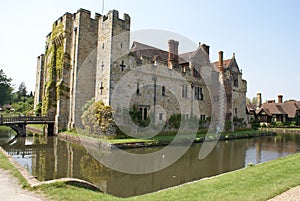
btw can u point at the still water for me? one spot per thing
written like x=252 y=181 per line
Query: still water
x=52 y=158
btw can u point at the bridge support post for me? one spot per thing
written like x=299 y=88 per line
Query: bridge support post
x=50 y=129
x=22 y=129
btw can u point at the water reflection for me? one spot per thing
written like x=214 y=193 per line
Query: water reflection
x=51 y=158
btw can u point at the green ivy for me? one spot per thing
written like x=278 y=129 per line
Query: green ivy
x=54 y=69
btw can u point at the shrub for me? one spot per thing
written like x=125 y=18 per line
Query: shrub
x=175 y=121
x=98 y=120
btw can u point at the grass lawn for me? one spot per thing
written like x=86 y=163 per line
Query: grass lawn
x=260 y=182
x=160 y=139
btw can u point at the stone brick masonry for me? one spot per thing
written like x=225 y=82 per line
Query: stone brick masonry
x=88 y=57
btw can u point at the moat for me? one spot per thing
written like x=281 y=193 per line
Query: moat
x=51 y=158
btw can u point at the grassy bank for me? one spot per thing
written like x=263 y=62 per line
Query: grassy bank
x=260 y=182
x=166 y=138
x=6 y=165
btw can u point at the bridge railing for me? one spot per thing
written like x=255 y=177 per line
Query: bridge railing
x=14 y=119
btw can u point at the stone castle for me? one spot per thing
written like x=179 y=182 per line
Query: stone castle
x=87 y=57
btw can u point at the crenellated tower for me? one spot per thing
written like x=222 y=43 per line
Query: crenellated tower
x=112 y=55
x=69 y=64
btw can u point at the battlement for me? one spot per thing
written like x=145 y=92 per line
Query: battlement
x=114 y=15
x=87 y=14
x=80 y=12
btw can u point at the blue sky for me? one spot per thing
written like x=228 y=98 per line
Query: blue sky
x=263 y=34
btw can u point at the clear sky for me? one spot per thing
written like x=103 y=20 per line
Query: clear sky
x=263 y=34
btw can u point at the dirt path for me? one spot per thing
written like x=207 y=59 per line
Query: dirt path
x=291 y=195
x=11 y=191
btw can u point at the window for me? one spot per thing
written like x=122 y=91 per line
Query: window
x=235 y=81
x=121 y=45
x=101 y=88
x=216 y=98
x=196 y=73
x=102 y=65
x=163 y=91
x=102 y=45
x=145 y=114
x=185 y=116
x=202 y=117
x=138 y=88
x=184 y=91
x=141 y=113
x=198 y=93
x=160 y=116
x=235 y=110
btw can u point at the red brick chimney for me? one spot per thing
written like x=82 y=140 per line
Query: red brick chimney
x=173 y=53
x=258 y=101
x=280 y=98
x=221 y=63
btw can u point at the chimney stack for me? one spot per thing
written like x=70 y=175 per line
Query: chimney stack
x=173 y=53
x=258 y=101
x=280 y=98
x=205 y=48
x=221 y=63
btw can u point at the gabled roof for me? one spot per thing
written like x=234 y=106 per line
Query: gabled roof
x=225 y=62
x=250 y=107
x=186 y=57
x=271 y=108
x=291 y=108
x=229 y=64
x=143 y=50
x=288 y=108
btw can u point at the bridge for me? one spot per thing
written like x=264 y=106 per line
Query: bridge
x=18 y=123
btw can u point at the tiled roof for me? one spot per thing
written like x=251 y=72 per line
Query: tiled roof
x=186 y=57
x=251 y=107
x=225 y=62
x=147 y=51
x=141 y=49
x=289 y=108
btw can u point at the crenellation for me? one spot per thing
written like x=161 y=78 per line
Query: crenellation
x=86 y=58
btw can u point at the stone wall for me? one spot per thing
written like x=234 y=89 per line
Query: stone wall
x=87 y=57
x=113 y=42
x=83 y=75
x=70 y=62
x=39 y=82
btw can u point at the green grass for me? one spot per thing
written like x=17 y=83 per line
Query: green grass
x=6 y=165
x=260 y=182
x=5 y=129
x=163 y=138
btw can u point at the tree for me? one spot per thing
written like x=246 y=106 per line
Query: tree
x=253 y=101
x=22 y=90
x=5 y=88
